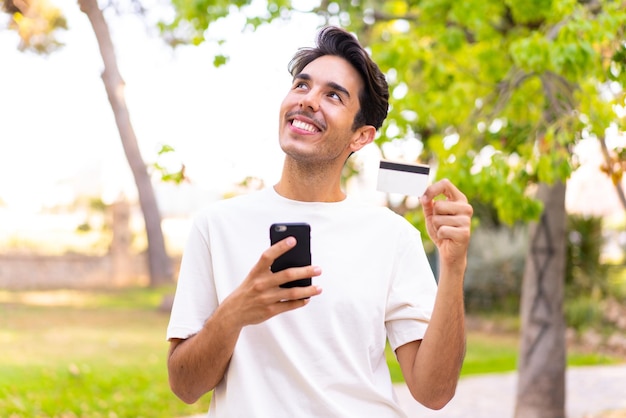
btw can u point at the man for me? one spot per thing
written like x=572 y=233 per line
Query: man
x=269 y=351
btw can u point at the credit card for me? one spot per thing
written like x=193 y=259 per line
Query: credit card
x=402 y=178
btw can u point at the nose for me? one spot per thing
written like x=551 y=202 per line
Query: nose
x=310 y=101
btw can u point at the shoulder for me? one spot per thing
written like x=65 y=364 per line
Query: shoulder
x=226 y=210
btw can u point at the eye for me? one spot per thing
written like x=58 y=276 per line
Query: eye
x=335 y=96
x=300 y=85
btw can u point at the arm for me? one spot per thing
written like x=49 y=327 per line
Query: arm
x=196 y=365
x=431 y=367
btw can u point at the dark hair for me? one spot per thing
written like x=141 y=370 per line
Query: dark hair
x=374 y=98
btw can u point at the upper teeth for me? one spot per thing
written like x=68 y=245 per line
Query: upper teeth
x=303 y=125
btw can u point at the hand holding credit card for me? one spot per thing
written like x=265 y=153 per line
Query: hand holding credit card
x=402 y=178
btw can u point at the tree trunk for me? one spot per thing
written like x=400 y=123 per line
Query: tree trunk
x=542 y=361
x=160 y=266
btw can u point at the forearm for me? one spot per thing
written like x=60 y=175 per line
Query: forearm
x=196 y=365
x=434 y=364
x=438 y=361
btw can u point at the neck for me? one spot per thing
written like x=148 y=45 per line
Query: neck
x=310 y=182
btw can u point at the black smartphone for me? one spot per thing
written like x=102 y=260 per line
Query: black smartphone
x=298 y=256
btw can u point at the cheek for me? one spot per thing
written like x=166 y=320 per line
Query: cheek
x=289 y=101
x=283 y=110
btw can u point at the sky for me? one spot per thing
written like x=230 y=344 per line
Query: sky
x=58 y=132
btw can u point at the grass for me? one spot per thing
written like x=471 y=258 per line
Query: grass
x=498 y=353
x=103 y=355
x=71 y=354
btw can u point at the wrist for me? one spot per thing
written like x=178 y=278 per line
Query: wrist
x=455 y=268
x=226 y=318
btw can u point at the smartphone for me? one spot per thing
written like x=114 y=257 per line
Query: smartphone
x=298 y=256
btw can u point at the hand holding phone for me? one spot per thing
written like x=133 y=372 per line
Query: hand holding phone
x=298 y=256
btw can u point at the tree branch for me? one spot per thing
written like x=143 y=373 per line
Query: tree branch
x=611 y=172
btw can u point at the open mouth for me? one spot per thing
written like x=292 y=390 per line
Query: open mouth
x=304 y=126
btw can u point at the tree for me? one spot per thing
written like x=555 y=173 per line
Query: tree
x=500 y=92
x=158 y=261
x=36 y=22
x=497 y=93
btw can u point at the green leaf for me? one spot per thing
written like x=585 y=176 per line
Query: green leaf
x=220 y=60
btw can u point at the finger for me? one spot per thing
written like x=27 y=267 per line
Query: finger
x=299 y=293
x=295 y=273
x=458 y=236
x=289 y=305
x=443 y=187
x=451 y=221
x=275 y=251
x=265 y=311
x=455 y=214
x=449 y=207
x=427 y=205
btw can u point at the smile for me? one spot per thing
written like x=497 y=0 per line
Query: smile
x=304 y=126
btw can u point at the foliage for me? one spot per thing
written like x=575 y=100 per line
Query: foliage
x=497 y=92
x=585 y=274
x=583 y=313
x=36 y=22
x=495 y=269
x=496 y=266
x=602 y=313
x=616 y=282
x=193 y=19
x=161 y=167
x=46 y=19
x=615 y=166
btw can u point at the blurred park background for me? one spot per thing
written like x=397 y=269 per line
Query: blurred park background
x=119 y=120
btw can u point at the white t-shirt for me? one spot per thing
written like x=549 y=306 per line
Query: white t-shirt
x=326 y=359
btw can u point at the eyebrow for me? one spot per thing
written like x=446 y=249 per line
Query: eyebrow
x=331 y=84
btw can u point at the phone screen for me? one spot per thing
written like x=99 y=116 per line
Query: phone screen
x=298 y=256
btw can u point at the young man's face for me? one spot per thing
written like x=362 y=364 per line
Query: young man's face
x=317 y=115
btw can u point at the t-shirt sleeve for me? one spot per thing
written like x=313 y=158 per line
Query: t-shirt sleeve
x=412 y=292
x=195 y=298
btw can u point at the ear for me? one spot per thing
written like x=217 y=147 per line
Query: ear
x=363 y=136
